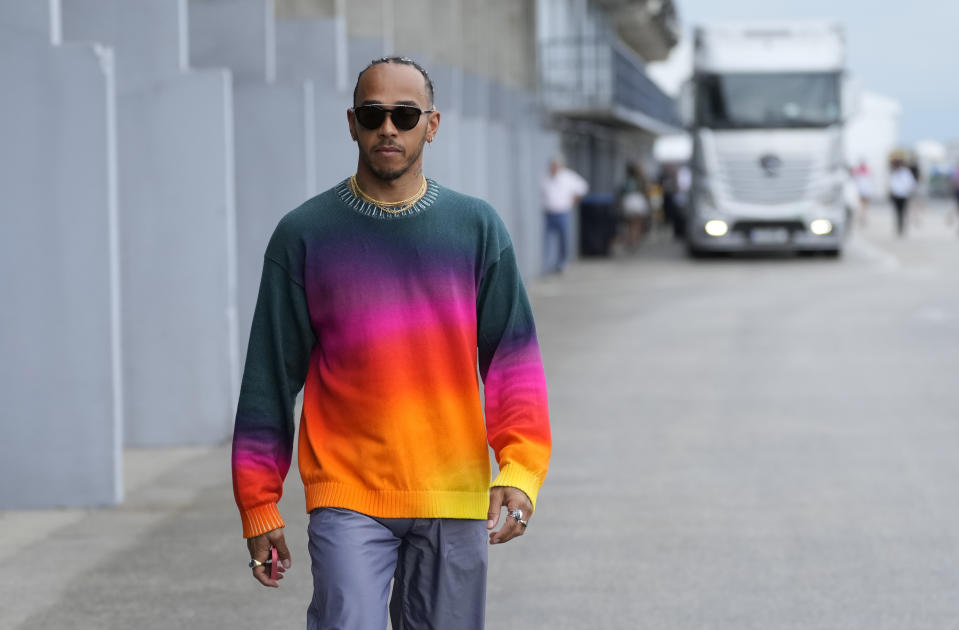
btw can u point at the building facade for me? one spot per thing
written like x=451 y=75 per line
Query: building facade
x=594 y=86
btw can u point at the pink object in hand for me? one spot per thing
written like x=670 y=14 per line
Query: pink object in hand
x=274 y=570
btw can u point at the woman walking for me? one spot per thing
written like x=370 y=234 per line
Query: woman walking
x=634 y=204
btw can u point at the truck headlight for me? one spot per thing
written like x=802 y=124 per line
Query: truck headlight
x=820 y=227
x=716 y=227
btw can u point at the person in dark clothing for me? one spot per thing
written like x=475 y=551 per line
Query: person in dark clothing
x=902 y=183
x=669 y=184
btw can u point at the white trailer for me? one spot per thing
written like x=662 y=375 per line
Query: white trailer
x=766 y=108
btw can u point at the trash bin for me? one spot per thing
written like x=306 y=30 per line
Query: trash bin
x=598 y=221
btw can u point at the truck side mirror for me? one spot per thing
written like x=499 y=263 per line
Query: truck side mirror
x=687 y=104
x=850 y=97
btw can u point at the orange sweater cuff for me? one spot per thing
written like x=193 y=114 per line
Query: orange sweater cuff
x=261 y=519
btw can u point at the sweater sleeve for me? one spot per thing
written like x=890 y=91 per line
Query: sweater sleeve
x=517 y=417
x=281 y=340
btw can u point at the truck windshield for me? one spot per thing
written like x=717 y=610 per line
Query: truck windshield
x=750 y=101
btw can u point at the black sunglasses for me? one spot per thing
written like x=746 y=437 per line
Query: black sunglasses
x=404 y=117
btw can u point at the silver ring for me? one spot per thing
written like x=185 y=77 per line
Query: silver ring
x=516 y=513
x=525 y=524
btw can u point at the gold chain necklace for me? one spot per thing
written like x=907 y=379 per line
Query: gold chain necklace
x=393 y=207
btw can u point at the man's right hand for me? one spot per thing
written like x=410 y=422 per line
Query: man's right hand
x=259 y=547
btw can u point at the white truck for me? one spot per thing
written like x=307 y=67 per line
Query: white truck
x=765 y=107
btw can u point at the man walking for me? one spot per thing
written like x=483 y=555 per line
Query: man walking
x=561 y=189
x=381 y=296
x=902 y=183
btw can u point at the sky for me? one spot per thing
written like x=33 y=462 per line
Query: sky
x=906 y=50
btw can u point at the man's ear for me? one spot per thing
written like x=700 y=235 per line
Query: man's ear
x=433 y=125
x=352 y=124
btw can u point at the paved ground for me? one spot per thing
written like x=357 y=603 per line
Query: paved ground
x=763 y=443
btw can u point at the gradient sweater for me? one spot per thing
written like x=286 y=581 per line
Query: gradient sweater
x=383 y=319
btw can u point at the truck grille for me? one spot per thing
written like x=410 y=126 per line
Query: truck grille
x=748 y=182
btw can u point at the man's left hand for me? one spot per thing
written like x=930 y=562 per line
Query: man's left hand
x=513 y=499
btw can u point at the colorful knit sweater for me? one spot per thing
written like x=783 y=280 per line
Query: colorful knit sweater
x=384 y=319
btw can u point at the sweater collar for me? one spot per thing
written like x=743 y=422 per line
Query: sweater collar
x=364 y=207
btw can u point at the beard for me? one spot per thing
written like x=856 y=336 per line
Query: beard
x=389 y=175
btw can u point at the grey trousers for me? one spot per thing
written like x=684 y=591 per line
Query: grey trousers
x=438 y=569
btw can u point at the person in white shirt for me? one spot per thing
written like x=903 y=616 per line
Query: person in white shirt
x=902 y=183
x=561 y=189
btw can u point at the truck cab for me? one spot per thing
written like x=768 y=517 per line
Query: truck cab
x=765 y=108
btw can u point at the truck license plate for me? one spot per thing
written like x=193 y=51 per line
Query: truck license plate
x=769 y=236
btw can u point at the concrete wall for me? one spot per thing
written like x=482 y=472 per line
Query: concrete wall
x=306 y=9
x=147 y=36
x=369 y=19
x=412 y=33
x=445 y=37
x=474 y=166
x=275 y=173
x=501 y=161
x=177 y=228
x=60 y=381
x=313 y=50
x=360 y=52
x=443 y=158
x=247 y=46
x=38 y=20
x=317 y=50
x=274 y=130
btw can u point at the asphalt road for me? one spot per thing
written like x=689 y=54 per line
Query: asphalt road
x=739 y=443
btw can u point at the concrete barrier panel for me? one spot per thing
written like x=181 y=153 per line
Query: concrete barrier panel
x=177 y=227
x=474 y=133
x=178 y=251
x=60 y=380
x=34 y=20
x=148 y=36
x=274 y=131
x=235 y=34
x=336 y=153
x=360 y=52
x=524 y=182
x=275 y=172
x=474 y=138
x=311 y=50
x=501 y=161
x=499 y=164
x=316 y=50
x=476 y=95
x=444 y=158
